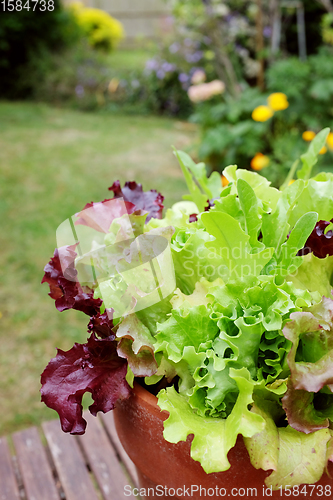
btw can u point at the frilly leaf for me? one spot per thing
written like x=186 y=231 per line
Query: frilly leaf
x=136 y=345
x=92 y=367
x=217 y=435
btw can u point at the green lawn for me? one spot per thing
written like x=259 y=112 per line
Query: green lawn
x=53 y=162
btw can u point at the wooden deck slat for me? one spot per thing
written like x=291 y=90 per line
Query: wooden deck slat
x=69 y=463
x=35 y=470
x=103 y=460
x=8 y=486
x=108 y=421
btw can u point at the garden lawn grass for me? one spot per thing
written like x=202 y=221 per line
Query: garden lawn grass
x=52 y=162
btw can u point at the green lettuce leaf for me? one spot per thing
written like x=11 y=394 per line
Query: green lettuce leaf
x=301 y=459
x=215 y=434
x=193 y=260
x=188 y=168
x=288 y=260
x=210 y=186
x=315 y=197
x=314 y=275
x=310 y=158
x=263 y=447
x=295 y=458
x=186 y=327
x=232 y=245
x=275 y=225
x=260 y=185
x=251 y=209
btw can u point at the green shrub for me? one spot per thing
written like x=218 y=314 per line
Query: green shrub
x=78 y=77
x=26 y=38
x=229 y=135
x=86 y=79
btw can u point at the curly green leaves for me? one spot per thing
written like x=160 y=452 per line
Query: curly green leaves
x=213 y=434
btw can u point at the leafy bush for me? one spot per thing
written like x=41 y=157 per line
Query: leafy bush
x=76 y=78
x=86 y=79
x=102 y=30
x=25 y=41
x=230 y=135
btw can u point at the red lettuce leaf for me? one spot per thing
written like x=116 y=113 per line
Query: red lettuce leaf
x=319 y=243
x=311 y=357
x=193 y=217
x=102 y=325
x=142 y=364
x=100 y=215
x=68 y=294
x=150 y=201
x=137 y=346
x=93 y=367
x=300 y=410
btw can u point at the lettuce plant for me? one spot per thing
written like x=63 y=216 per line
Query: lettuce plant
x=237 y=324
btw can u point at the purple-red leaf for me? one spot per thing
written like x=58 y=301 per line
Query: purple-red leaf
x=319 y=243
x=93 y=367
x=102 y=325
x=100 y=215
x=150 y=201
x=311 y=357
x=68 y=294
x=301 y=413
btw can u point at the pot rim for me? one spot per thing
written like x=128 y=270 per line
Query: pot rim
x=148 y=400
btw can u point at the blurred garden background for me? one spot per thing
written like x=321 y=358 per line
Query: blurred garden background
x=98 y=91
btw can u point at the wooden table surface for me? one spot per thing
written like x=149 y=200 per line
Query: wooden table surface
x=47 y=464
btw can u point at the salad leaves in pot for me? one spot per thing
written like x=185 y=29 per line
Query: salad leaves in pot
x=226 y=302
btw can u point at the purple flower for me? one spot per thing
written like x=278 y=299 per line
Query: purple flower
x=188 y=42
x=195 y=57
x=152 y=65
x=267 y=31
x=183 y=77
x=207 y=40
x=160 y=74
x=174 y=47
x=167 y=67
x=79 y=90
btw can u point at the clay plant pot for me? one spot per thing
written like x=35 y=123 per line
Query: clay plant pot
x=167 y=467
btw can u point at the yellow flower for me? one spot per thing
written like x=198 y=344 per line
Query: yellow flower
x=113 y=85
x=329 y=140
x=323 y=150
x=291 y=182
x=259 y=161
x=278 y=101
x=262 y=113
x=101 y=29
x=224 y=181
x=308 y=135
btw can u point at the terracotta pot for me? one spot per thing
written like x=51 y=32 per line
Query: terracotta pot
x=160 y=464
